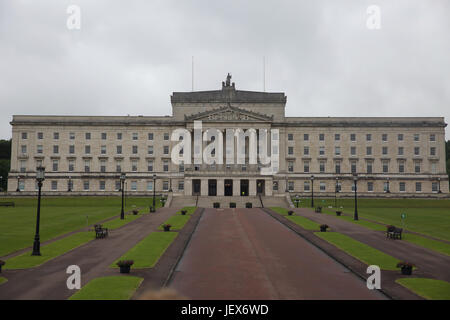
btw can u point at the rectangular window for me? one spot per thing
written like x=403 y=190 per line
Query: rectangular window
x=401 y=151
x=119 y=166
x=24 y=135
x=23 y=149
x=416 y=151
x=418 y=187
x=305 y=137
x=290 y=137
x=150 y=165
x=434 y=187
x=166 y=150
x=135 y=149
x=368 y=151
x=23 y=165
x=370 y=186
x=321 y=150
x=133 y=185
x=384 y=137
x=56 y=135
x=55 y=165
x=337 y=137
x=306 y=151
x=149 y=185
x=353 y=137
x=135 y=136
x=368 y=137
x=72 y=135
x=119 y=149
x=72 y=149
x=102 y=185
x=103 y=135
x=165 y=185
x=338 y=167
x=39 y=148
x=417 y=166
x=55 y=149
x=337 y=151
x=384 y=150
x=385 y=165
x=86 y=185
x=117 y=185
x=369 y=167
x=150 y=136
x=322 y=166
x=150 y=150
x=432 y=137
x=402 y=187
x=88 y=136
x=134 y=165
x=181 y=167
x=306 y=166
x=291 y=186
x=321 y=137
x=306 y=186
x=400 y=137
x=180 y=185
x=166 y=136
x=432 y=151
x=290 y=166
x=87 y=149
x=322 y=186
x=102 y=165
x=353 y=151
x=54 y=185
x=290 y=150
x=433 y=167
x=87 y=166
x=103 y=149
x=119 y=136
x=40 y=135
x=166 y=165
x=416 y=137
x=401 y=166
x=71 y=165
x=353 y=166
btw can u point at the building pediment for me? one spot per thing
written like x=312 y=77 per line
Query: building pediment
x=228 y=113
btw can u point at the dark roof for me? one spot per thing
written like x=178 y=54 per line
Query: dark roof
x=228 y=94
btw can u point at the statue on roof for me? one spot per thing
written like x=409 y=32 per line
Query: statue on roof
x=228 y=82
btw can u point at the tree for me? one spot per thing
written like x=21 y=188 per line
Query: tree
x=5 y=160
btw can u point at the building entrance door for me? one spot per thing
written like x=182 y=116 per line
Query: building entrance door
x=212 y=187
x=260 y=187
x=228 y=188
x=196 y=187
x=244 y=188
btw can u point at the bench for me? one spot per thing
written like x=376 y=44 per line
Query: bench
x=7 y=204
x=100 y=232
x=393 y=232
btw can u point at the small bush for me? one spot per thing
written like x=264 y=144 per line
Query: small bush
x=125 y=263
x=135 y=211
x=290 y=212
x=404 y=264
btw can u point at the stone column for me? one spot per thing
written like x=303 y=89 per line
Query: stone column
x=204 y=187
x=188 y=187
x=220 y=187
x=236 y=187
x=252 y=187
x=268 y=184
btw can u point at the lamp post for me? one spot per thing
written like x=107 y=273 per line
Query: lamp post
x=154 y=191
x=297 y=200
x=122 y=181
x=335 y=192
x=355 y=179
x=388 y=189
x=439 y=181
x=40 y=176
x=312 y=191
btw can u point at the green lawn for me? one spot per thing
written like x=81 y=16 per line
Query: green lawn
x=3 y=280
x=147 y=252
x=117 y=223
x=49 y=251
x=58 y=216
x=190 y=210
x=359 y=250
x=430 y=289
x=427 y=216
x=176 y=221
x=363 y=223
x=301 y=221
x=427 y=243
x=109 y=288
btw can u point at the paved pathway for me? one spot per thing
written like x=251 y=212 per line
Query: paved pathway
x=49 y=280
x=246 y=254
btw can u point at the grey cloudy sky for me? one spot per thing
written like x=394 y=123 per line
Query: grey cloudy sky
x=129 y=56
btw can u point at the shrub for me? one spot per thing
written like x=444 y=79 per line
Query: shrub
x=404 y=264
x=2 y=263
x=290 y=212
x=135 y=211
x=125 y=263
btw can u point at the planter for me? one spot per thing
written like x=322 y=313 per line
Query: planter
x=135 y=213
x=248 y=205
x=323 y=229
x=232 y=204
x=290 y=213
x=152 y=209
x=125 y=269
x=407 y=271
x=166 y=228
x=183 y=212
x=216 y=205
x=338 y=213
x=318 y=210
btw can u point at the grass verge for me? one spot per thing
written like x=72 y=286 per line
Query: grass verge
x=109 y=288
x=430 y=289
x=176 y=221
x=190 y=210
x=117 y=223
x=49 y=251
x=359 y=250
x=303 y=222
x=3 y=280
x=147 y=252
x=431 y=244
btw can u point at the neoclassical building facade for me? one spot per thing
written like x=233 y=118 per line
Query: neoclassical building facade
x=401 y=156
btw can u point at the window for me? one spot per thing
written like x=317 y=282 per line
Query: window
x=55 y=165
x=306 y=186
x=166 y=165
x=86 y=185
x=290 y=185
x=38 y=163
x=117 y=185
x=321 y=137
x=368 y=137
x=87 y=149
x=338 y=167
x=103 y=149
x=384 y=137
x=119 y=166
x=133 y=185
x=306 y=166
x=385 y=165
x=432 y=137
x=150 y=136
x=119 y=136
x=400 y=137
x=337 y=137
x=24 y=135
x=306 y=151
x=134 y=165
x=180 y=185
x=416 y=137
x=353 y=166
x=321 y=150
x=322 y=186
x=165 y=185
x=54 y=185
x=40 y=135
x=322 y=166
x=290 y=166
x=305 y=137
x=166 y=150
x=433 y=167
x=23 y=149
x=353 y=137
x=369 y=166
x=103 y=135
x=135 y=136
x=71 y=165
x=418 y=187
x=402 y=187
x=416 y=151
x=102 y=165
x=87 y=166
x=23 y=165
x=353 y=151
x=56 y=135
x=290 y=150
x=370 y=186
x=55 y=149
x=150 y=165
x=149 y=185
x=135 y=149
x=434 y=187
x=119 y=149
x=384 y=150
x=72 y=135
x=21 y=185
x=337 y=151
x=368 y=151
x=166 y=136
x=417 y=166
x=290 y=137
x=102 y=185
x=71 y=149
x=88 y=136
x=181 y=167
x=401 y=166
x=150 y=150
x=432 y=151
x=401 y=151
x=275 y=186
x=69 y=185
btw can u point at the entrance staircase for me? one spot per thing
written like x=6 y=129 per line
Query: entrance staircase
x=208 y=201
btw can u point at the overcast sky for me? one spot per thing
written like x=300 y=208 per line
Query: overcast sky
x=129 y=56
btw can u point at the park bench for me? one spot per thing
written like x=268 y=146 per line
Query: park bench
x=7 y=204
x=100 y=232
x=394 y=232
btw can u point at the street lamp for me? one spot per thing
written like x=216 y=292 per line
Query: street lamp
x=312 y=191
x=335 y=192
x=154 y=191
x=297 y=200
x=40 y=176
x=388 y=189
x=439 y=180
x=122 y=182
x=355 y=179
